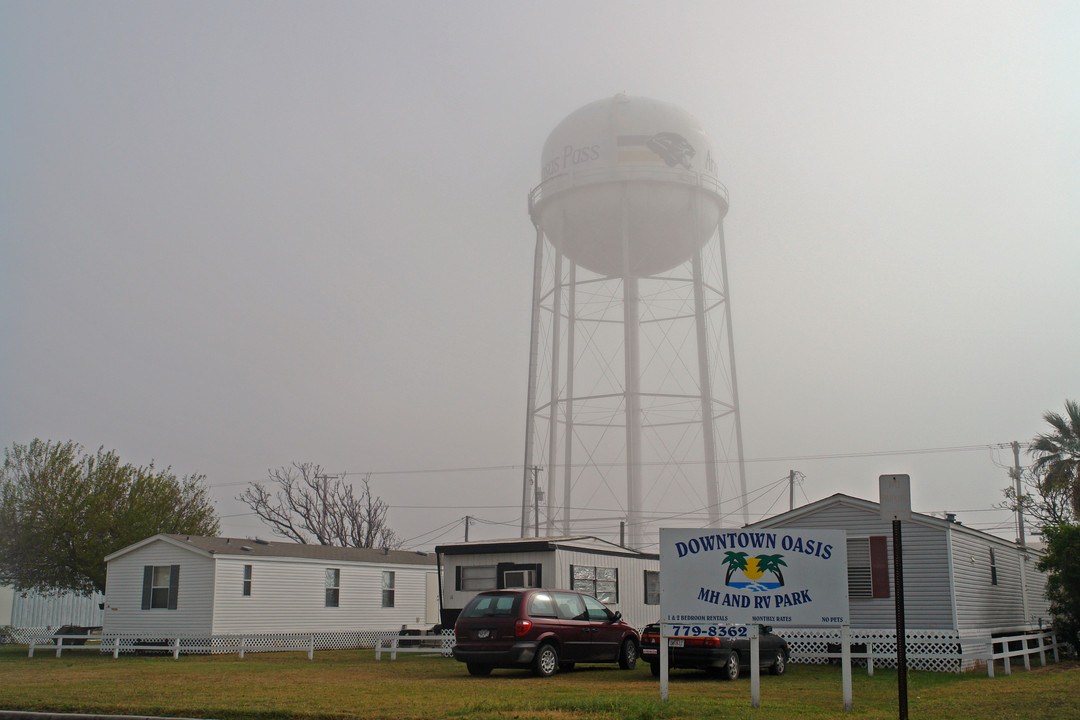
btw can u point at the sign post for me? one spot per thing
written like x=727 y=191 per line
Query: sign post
x=895 y=494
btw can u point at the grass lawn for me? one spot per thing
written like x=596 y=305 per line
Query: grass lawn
x=351 y=684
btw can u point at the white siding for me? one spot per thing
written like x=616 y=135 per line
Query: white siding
x=289 y=595
x=927 y=600
x=983 y=605
x=123 y=593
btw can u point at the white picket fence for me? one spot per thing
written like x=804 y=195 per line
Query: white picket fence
x=241 y=644
x=934 y=650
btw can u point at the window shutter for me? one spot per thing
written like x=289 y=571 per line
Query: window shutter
x=457 y=577
x=147 y=584
x=879 y=565
x=174 y=585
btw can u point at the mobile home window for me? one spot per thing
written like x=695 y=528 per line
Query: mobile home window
x=247 y=581
x=477 y=577
x=388 y=589
x=868 y=567
x=600 y=582
x=652 y=587
x=993 y=568
x=161 y=587
x=333 y=587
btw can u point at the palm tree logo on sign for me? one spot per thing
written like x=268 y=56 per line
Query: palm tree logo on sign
x=748 y=573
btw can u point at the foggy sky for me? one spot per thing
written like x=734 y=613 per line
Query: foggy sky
x=234 y=235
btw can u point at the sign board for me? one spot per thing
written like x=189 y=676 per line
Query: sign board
x=740 y=577
x=895 y=497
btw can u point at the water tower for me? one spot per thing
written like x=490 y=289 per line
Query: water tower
x=633 y=411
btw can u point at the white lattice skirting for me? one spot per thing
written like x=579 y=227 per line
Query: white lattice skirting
x=933 y=650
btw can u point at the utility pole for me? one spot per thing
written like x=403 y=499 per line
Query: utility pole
x=323 y=500
x=467 y=528
x=791 y=489
x=538 y=494
x=1019 y=504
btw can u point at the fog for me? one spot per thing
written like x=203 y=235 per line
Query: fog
x=234 y=236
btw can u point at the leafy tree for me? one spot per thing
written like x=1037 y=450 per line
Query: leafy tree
x=63 y=510
x=1063 y=579
x=1057 y=453
x=1047 y=503
x=311 y=507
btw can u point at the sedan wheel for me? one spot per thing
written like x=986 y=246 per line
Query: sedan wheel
x=779 y=664
x=546 y=662
x=731 y=669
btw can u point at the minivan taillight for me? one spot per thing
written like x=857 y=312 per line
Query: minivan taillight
x=522 y=627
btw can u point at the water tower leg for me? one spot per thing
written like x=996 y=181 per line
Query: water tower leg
x=734 y=380
x=708 y=428
x=568 y=443
x=553 y=399
x=632 y=391
x=530 y=412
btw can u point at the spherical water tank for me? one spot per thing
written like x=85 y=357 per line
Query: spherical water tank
x=629 y=187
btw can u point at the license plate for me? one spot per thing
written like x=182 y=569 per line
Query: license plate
x=483 y=634
x=676 y=642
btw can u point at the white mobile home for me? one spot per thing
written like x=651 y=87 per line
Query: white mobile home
x=623 y=579
x=180 y=585
x=955 y=577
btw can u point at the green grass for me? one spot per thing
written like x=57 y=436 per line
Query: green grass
x=351 y=684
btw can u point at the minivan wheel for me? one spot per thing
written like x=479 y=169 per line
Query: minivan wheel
x=628 y=655
x=731 y=669
x=478 y=669
x=779 y=665
x=546 y=662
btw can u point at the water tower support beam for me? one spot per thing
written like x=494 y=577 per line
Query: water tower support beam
x=530 y=410
x=734 y=381
x=708 y=429
x=553 y=416
x=568 y=443
x=632 y=388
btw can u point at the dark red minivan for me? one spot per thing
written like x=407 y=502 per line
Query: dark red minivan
x=547 y=630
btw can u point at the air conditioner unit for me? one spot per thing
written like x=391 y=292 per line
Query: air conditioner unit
x=519 y=578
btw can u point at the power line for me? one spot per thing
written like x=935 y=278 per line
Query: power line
x=783 y=458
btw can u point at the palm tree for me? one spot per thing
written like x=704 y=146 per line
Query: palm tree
x=1057 y=453
x=772 y=563
x=734 y=561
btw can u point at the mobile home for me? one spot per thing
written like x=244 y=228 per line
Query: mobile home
x=625 y=580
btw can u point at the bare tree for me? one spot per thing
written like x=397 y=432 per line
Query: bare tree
x=312 y=507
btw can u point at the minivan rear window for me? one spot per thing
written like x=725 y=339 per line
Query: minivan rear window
x=491 y=606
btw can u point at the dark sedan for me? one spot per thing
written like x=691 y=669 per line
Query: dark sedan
x=728 y=656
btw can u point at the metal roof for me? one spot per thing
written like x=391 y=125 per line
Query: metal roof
x=246 y=547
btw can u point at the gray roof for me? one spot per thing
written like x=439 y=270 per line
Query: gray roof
x=274 y=548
